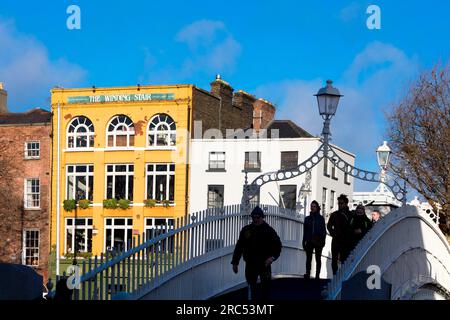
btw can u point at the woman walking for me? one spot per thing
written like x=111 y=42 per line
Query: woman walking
x=314 y=234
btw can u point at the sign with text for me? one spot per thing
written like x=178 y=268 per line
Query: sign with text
x=122 y=98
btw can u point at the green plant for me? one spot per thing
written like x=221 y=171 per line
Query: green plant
x=150 y=203
x=84 y=203
x=124 y=204
x=69 y=205
x=84 y=255
x=165 y=203
x=110 y=204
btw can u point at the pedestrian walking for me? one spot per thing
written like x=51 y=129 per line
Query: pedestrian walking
x=314 y=235
x=360 y=224
x=260 y=246
x=339 y=228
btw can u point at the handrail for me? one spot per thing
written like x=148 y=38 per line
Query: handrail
x=384 y=224
x=172 y=249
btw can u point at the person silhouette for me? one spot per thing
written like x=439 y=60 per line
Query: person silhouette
x=260 y=246
x=314 y=235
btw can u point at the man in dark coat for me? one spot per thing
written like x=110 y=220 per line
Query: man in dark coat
x=339 y=228
x=314 y=235
x=260 y=246
x=360 y=224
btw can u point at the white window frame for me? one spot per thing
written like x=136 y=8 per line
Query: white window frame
x=324 y=200
x=27 y=194
x=89 y=175
x=159 y=122
x=28 y=149
x=24 y=246
x=72 y=227
x=332 y=199
x=347 y=179
x=153 y=226
x=210 y=186
x=90 y=133
x=326 y=168
x=218 y=155
x=258 y=161
x=155 y=173
x=113 y=227
x=114 y=133
x=126 y=173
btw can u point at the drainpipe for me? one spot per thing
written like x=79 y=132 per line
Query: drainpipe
x=58 y=200
x=220 y=114
x=188 y=141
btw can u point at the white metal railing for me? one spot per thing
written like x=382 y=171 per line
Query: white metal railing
x=150 y=262
x=356 y=256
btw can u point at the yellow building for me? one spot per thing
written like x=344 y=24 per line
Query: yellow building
x=122 y=143
x=129 y=143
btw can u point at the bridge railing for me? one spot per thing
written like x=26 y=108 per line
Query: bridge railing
x=147 y=262
x=348 y=267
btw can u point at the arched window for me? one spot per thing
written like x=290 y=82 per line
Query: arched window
x=80 y=133
x=161 y=131
x=120 y=132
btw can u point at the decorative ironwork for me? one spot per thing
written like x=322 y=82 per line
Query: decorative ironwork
x=324 y=151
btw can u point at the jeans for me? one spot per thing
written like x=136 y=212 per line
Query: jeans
x=318 y=254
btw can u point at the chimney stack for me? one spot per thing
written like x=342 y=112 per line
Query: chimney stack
x=223 y=90
x=3 y=99
x=263 y=113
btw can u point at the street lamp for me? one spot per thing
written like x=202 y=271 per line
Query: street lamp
x=327 y=101
x=383 y=153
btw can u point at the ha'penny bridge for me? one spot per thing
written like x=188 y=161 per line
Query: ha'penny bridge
x=191 y=260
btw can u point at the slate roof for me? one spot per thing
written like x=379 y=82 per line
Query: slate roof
x=287 y=129
x=33 y=116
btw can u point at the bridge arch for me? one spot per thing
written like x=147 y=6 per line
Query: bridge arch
x=410 y=250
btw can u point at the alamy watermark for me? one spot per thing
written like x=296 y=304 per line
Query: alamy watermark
x=73 y=21
x=73 y=281
x=373 y=22
x=374 y=280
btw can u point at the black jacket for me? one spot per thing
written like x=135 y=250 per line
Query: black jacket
x=257 y=244
x=360 y=222
x=339 y=226
x=314 y=226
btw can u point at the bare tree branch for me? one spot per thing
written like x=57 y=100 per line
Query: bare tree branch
x=419 y=130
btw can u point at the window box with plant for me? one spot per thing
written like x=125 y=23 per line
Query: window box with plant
x=110 y=204
x=114 y=203
x=149 y=203
x=70 y=204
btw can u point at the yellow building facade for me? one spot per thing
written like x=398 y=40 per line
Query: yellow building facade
x=118 y=143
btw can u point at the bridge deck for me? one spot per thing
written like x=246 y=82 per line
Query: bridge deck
x=283 y=289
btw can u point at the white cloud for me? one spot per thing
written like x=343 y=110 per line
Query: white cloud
x=200 y=33
x=27 y=70
x=351 y=11
x=372 y=81
x=211 y=49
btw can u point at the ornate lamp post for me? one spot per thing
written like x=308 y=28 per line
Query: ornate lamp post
x=383 y=153
x=327 y=101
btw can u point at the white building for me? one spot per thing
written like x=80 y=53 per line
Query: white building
x=425 y=207
x=218 y=176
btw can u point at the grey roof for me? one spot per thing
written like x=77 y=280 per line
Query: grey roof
x=287 y=129
x=26 y=118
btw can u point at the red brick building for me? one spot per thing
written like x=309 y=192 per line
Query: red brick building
x=25 y=168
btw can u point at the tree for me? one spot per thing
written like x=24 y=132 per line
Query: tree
x=419 y=130
x=11 y=203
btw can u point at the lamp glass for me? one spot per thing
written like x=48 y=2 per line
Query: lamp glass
x=383 y=153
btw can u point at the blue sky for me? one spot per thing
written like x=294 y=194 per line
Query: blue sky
x=282 y=51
